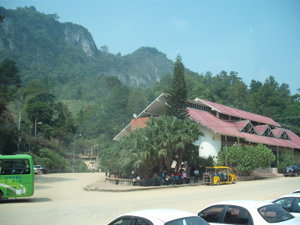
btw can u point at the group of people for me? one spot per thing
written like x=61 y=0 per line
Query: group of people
x=182 y=176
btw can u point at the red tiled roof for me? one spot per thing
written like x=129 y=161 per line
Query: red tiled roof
x=238 y=113
x=219 y=126
x=138 y=123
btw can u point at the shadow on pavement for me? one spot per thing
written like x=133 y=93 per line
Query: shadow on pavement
x=25 y=200
x=46 y=179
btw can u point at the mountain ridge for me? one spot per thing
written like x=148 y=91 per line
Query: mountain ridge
x=44 y=47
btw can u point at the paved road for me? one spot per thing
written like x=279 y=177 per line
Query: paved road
x=60 y=199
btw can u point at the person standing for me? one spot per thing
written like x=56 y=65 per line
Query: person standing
x=196 y=175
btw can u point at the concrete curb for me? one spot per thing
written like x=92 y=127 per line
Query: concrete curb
x=137 y=188
x=126 y=188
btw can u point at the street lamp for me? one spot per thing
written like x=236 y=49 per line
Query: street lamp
x=35 y=126
x=73 y=161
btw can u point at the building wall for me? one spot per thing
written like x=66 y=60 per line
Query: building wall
x=209 y=144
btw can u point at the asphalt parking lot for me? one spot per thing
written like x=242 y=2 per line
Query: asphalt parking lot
x=61 y=199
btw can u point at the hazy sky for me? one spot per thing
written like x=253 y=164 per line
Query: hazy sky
x=256 y=38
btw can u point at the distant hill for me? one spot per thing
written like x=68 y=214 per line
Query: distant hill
x=66 y=55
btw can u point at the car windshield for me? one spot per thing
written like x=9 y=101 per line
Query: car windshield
x=274 y=214
x=188 y=221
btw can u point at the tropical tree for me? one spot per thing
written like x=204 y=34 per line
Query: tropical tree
x=178 y=93
x=155 y=147
x=246 y=158
x=51 y=160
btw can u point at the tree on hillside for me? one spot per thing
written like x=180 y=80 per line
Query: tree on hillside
x=136 y=102
x=9 y=79
x=237 y=95
x=269 y=99
x=9 y=82
x=291 y=116
x=1 y=18
x=177 y=100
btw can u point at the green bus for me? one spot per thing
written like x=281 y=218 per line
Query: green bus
x=16 y=176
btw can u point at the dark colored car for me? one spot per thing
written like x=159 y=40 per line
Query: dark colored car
x=292 y=171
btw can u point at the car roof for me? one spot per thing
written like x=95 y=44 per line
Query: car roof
x=290 y=195
x=163 y=215
x=244 y=203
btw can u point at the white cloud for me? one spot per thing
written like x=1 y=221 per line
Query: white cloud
x=262 y=75
x=178 y=22
x=251 y=30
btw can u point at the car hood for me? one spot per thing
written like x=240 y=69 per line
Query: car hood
x=294 y=221
x=297 y=215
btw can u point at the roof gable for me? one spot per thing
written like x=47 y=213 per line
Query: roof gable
x=248 y=128
x=281 y=133
x=264 y=130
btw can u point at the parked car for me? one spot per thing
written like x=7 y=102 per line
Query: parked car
x=248 y=212
x=296 y=191
x=159 y=217
x=38 y=169
x=291 y=171
x=290 y=203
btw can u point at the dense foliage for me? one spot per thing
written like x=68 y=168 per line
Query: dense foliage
x=9 y=83
x=154 y=148
x=287 y=158
x=246 y=158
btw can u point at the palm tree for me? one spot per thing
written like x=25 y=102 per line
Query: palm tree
x=153 y=148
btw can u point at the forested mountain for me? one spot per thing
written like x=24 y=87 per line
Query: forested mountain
x=66 y=54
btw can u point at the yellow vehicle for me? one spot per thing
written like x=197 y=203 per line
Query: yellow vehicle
x=219 y=175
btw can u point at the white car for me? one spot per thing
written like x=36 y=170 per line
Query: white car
x=296 y=191
x=290 y=203
x=248 y=212
x=38 y=169
x=159 y=217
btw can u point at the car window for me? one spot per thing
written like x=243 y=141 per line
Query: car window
x=285 y=203
x=274 y=213
x=237 y=215
x=139 y=221
x=212 y=214
x=296 y=207
x=123 y=221
x=188 y=221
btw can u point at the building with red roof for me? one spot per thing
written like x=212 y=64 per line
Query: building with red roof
x=224 y=126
